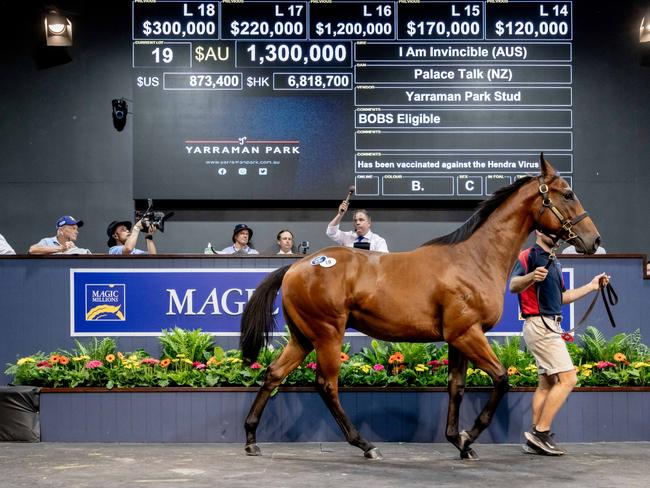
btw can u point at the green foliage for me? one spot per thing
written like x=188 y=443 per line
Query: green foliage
x=190 y=358
x=596 y=347
x=94 y=348
x=510 y=353
x=194 y=345
x=576 y=352
x=633 y=347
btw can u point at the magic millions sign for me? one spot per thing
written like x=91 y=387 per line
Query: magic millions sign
x=141 y=302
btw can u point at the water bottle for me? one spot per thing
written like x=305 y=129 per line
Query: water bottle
x=208 y=249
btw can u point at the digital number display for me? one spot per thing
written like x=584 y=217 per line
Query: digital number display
x=241 y=100
x=267 y=20
x=353 y=20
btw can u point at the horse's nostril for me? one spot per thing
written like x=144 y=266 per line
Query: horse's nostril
x=597 y=242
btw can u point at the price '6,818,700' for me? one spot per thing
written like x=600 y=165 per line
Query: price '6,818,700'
x=334 y=81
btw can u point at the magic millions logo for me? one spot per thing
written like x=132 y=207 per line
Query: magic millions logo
x=105 y=303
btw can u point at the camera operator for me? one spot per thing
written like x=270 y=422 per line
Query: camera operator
x=122 y=238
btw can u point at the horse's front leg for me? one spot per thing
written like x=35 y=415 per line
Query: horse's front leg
x=456 y=390
x=476 y=348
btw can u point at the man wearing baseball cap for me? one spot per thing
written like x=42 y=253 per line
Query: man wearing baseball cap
x=122 y=239
x=241 y=237
x=67 y=231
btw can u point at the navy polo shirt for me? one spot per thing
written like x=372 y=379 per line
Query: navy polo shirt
x=548 y=301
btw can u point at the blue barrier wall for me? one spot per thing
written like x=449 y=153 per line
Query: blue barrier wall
x=170 y=415
x=35 y=296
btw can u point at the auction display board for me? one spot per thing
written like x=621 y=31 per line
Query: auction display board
x=298 y=100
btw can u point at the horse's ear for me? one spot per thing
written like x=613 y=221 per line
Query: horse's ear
x=545 y=166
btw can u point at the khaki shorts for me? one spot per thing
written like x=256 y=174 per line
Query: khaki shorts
x=549 y=349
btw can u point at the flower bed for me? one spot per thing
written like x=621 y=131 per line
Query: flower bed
x=189 y=358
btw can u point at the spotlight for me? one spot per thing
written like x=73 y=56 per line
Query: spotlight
x=58 y=29
x=120 y=110
x=644 y=40
x=644 y=30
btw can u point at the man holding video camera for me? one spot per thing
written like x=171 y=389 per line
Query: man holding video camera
x=122 y=238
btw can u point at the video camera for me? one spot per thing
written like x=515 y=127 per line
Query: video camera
x=303 y=248
x=151 y=217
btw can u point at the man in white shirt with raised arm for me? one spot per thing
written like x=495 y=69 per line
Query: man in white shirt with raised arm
x=360 y=234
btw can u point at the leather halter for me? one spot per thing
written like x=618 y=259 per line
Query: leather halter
x=567 y=224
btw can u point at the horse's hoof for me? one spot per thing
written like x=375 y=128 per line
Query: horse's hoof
x=374 y=453
x=465 y=441
x=252 y=450
x=469 y=454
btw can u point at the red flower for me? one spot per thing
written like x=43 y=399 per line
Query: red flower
x=604 y=364
x=94 y=364
x=434 y=363
x=445 y=361
x=312 y=365
x=256 y=365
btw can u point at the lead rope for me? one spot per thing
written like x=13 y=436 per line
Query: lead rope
x=612 y=298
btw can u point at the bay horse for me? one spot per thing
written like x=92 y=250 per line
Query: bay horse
x=449 y=289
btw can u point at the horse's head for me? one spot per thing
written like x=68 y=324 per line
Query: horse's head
x=561 y=214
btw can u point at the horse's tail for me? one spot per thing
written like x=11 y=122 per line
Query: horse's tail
x=257 y=322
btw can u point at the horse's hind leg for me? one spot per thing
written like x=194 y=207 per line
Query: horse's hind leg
x=327 y=374
x=476 y=348
x=456 y=390
x=291 y=357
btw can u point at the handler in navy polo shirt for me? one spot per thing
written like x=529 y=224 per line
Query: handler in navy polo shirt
x=541 y=296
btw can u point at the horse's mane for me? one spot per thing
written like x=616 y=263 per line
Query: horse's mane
x=479 y=217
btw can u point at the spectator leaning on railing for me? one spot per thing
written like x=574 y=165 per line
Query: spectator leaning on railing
x=241 y=241
x=64 y=242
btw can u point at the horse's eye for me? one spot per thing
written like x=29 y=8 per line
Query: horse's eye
x=569 y=195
